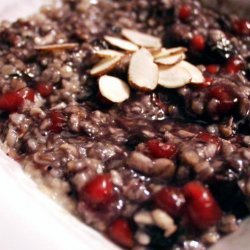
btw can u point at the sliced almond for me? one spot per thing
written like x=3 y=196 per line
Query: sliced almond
x=108 y=53
x=170 y=60
x=142 y=39
x=163 y=52
x=105 y=66
x=113 y=88
x=52 y=47
x=196 y=74
x=121 y=43
x=174 y=77
x=143 y=72
x=164 y=221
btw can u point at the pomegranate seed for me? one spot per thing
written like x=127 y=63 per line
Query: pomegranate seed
x=27 y=93
x=98 y=191
x=242 y=27
x=198 y=43
x=57 y=121
x=44 y=89
x=171 y=200
x=234 y=65
x=213 y=68
x=11 y=101
x=185 y=12
x=225 y=96
x=208 y=81
x=159 y=149
x=121 y=232
x=202 y=209
x=209 y=138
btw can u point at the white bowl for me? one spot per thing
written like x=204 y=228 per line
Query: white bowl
x=30 y=220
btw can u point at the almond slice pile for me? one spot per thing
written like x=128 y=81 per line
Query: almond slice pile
x=149 y=65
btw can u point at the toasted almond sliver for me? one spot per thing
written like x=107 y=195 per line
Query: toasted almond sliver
x=196 y=74
x=107 y=53
x=174 y=77
x=142 y=39
x=143 y=72
x=62 y=46
x=144 y=218
x=163 y=52
x=113 y=88
x=105 y=65
x=121 y=43
x=170 y=60
x=164 y=221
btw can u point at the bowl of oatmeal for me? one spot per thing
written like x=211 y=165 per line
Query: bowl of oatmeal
x=133 y=116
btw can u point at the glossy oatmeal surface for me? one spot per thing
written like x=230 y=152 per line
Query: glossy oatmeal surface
x=162 y=167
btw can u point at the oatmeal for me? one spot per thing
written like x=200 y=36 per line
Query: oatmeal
x=135 y=114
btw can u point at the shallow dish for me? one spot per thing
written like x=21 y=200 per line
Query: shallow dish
x=49 y=218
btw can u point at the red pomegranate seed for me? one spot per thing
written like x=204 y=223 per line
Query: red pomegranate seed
x=208 y=81
x=98 y=191
x=234 y=65
x=185 y=12
x=44 y=89
x=198 y=43
x=202 y=209
x=209 y=138
x=121 y=232
x=227 y=100
x=242 y=27
x=213 y=68
x=160 y=149
x=57 y=121
x=27 y=93
x=171 y=200
x=11 y=101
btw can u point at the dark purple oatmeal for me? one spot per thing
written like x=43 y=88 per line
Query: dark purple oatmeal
x=161 y=170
